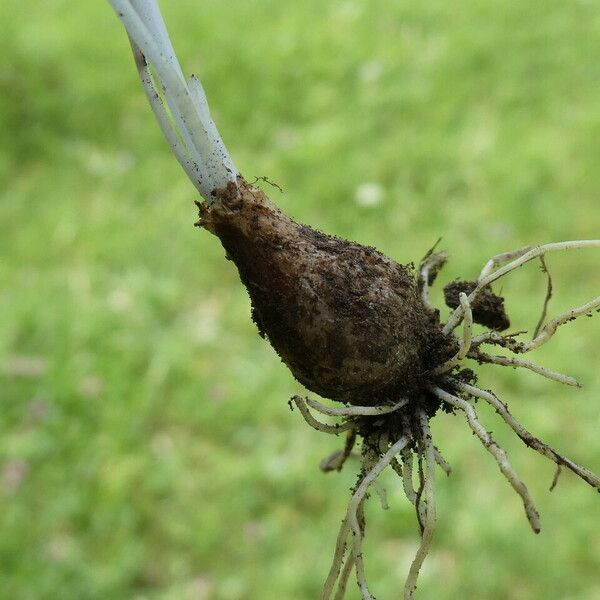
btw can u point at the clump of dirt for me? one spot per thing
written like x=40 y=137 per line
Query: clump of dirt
x=488 y=308
x=346 y=319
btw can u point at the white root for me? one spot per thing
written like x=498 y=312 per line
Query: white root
x=344 y=576
x=352 y=515
x=492 y=337
x=497 y=339
x=496 y=452
x=338 y=557
x=432 y=263
x=555 y=478
x=429 y=510
x=465 y=344
x=516 y=258
x=523 y=255
x=529 y=439
x=407 y=476
x=318 y=425
x=340 y=571
x=550 y=328
x=547 y=298
x=355 y=411
x=511 y=361
x=423 y=499
x=442 y=462
x=332 y=462
x=335 y=461
x=501 y=259
x=351 y=523
x=382 y=493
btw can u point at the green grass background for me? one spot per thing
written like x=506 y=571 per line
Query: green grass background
x=146 y=448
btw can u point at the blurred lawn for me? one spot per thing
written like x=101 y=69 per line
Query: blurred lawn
x=146 y=448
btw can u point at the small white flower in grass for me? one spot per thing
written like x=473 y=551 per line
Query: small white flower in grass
x=13 y=473
x=286 y=138
x=200 y=588
x=162 y=445
x=370 y=72
x=26 y=366
x=368 y=194
x=119 y=301
x=91 y=386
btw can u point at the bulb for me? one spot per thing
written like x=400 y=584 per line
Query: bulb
x=346 y=320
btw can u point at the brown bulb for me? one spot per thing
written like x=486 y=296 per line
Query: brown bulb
x=346 y=320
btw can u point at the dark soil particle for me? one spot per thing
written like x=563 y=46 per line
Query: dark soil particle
x=346 y=319
x=488 y=308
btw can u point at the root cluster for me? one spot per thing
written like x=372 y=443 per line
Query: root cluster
x=396 y=433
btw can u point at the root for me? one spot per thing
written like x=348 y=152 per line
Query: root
x=501 y=259
x=382 y=493
x=345 y=575
x=529 y=439
x=441 y=461
x=555 y=478
x=522 y=255
x=510 y=361
x=407 y=477
x=336 y=460
x=547 y=298
x=352 y=516
x=466 y=341
x=497 y=452
x=356 y=411
x=540 y=339
x=550 y=329
x=516 y=258
x=493 y=337
x=338 y=557
x=420 y=506
x=378 y=453
x=352 y=523
x=318 y=425
x=429 y=511
x=428 y=271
